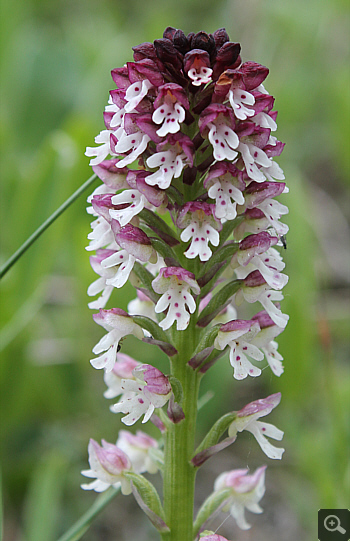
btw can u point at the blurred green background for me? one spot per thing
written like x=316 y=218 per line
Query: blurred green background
x=55 y=77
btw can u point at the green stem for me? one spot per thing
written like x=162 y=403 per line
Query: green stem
x=179 y=473
x=12 y=260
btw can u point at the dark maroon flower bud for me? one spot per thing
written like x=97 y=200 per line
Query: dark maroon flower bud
x=169 y=33
x=226 y=58
x=144 y=50
x=181 y=42
x=204 y=41
x=253 y=74
x=228 y=53
x=220 y=37
x=168 y=54
x=189 y=175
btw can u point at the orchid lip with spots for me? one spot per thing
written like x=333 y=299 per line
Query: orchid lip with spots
x=186 y=214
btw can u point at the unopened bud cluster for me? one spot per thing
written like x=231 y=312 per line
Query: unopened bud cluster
x=187 y=213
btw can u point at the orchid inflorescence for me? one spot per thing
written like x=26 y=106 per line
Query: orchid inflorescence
x=186 y=213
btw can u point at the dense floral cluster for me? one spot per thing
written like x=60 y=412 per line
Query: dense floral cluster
x=187 y=213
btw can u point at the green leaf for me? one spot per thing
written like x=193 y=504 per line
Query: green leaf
x=157 y=224
x=222 y=254
x=176 y=388
x=229 y=226
x=146 y=278
x=78 y=529
x=163 y=249
x=152 y=327
x=216 y=431
x=219 y=302
x=205 y=347
x=211 y=504
x=149 y=500
x=174 y=194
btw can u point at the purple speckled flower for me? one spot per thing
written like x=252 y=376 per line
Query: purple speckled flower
x=118 y=323
x=175 y=284
x=149 y=390
x=247 y=419
x=201 y=225
x=245 y=491
x=238 y=335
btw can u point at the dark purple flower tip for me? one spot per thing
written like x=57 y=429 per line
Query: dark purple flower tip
x=263 y=319
x=257 y=192
x=226 y=58
x=237 y=325
x=195 y=206
x=181 y=42
x=254 y=279
x=264 y=406
x=189 y=175
x=169 y=33
x=168 y=54
x=220 y=37
x=259 y=137
x=246 y=128
x=204 y=41
x=172 y=92
x=156 y=381
x=201 y=209
x=144 y=50
x=145 y=69
x=260 y=242
x=175 y=411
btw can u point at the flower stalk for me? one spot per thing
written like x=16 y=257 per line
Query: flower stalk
x=186 y=213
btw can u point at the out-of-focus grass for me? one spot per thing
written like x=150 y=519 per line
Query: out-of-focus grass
x=56 y=59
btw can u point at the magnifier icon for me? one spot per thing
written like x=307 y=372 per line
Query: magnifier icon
x=332 y=524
